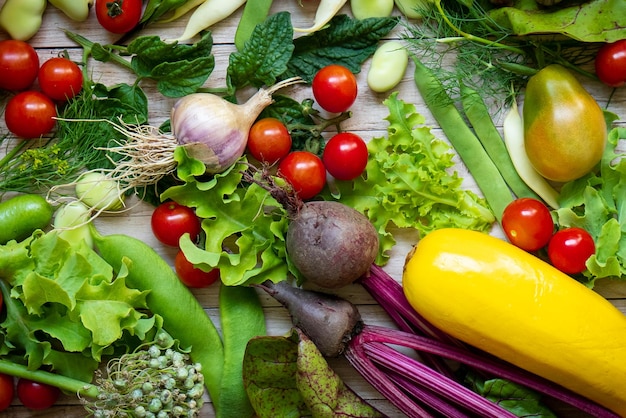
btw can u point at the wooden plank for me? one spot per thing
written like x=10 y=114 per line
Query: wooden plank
x=367 y=120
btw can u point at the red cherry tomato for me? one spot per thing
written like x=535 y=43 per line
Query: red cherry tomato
x=192 y=276
x=60 y=78
x=171 y=220
x=527 y=223
x=118 y=16
x=334 y=88
x=569 y=250
x=269 y=140
x=30 y=114
x=611 y=63
x=345 y=156
x=7 y=391
x=305 y=172
x=19 y=64
x=35 y=395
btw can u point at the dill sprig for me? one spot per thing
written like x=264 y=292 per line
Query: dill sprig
x=462 y=44
x=33 y=166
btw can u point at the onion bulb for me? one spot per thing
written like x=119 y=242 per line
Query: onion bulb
x=96 y=190
x=214 y=130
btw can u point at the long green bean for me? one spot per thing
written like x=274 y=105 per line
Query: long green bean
x=254 y=12
x=478 y=115
x=242 y=318
x=469 y=148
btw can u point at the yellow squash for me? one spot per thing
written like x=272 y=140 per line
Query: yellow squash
x=494 y=296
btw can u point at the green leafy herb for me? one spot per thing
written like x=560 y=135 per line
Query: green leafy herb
x=33 y=166
x=265 y=55
x=65 y=309
x=288 y=376
x=409 y=184
x=597 y=203
x=346 y=41
x=487 y=55
x=246 y=225
x=179 y=69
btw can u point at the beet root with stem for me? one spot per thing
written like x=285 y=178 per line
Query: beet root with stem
x=329 y=321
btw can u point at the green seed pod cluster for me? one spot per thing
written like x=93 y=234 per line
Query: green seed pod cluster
x=156 y=382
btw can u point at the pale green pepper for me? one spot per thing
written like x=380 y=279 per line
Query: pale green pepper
x=21 y=19
x=77 y=10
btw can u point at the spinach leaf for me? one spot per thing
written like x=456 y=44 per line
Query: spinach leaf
x=346 y=41
x=179 y=69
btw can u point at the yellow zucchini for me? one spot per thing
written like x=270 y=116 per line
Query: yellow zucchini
x=503 y=300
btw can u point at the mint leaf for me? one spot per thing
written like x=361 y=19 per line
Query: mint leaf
x=265 y=55
x=345 y=41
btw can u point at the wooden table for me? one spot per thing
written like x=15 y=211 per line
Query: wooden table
x=368 y=121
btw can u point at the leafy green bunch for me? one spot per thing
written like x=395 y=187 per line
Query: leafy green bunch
x=64 y=307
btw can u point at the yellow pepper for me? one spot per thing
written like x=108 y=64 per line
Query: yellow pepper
x=507 y=302
x=21 y=19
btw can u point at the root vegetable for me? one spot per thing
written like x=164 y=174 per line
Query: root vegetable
x=329 y=321
x=331 y=244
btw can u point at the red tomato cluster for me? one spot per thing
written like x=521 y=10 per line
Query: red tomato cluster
x=33 y=395
x=30 y=113
x=528 y=225
x=169 y=222
x=345 y=155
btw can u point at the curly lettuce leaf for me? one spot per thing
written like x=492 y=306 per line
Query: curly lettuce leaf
x=245 y=227
x=409 y=182
x=65 y=308
x=597 y=203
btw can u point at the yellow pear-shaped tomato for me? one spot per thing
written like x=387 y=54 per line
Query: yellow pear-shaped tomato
x=564 y=128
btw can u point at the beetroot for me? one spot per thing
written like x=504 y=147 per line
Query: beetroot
x=331 y=244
